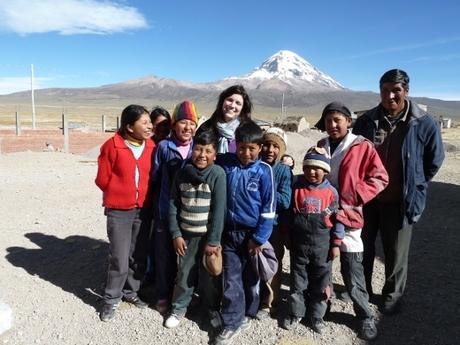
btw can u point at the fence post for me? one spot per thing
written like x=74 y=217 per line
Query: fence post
x=18 y=124
x=65 y=131
x=103 y=123
x=118 y=123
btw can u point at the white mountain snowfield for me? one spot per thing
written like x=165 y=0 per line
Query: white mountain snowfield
x=290 y=68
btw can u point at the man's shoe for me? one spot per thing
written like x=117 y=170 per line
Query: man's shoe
x=290 y=322
x=317 y=325
x=172 y=321
x=226 y=336
x=107 y=312
x=368 y=329
x=391 y=307
x=136 y=301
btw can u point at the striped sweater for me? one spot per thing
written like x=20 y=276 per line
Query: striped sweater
x=197 y=203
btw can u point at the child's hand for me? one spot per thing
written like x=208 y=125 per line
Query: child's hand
x=334 y=252
x=179 y=245
x=254 y=248
x=210 y=250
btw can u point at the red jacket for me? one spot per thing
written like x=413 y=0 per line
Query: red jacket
x=116 y=174
x=362 y=177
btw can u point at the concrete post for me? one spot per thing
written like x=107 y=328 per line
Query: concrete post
x=65 y=131
x=18 y=124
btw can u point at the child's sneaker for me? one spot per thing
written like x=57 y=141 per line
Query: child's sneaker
x=246 y=324
x=368 y=329
x=226 y=336
x=107 y=312
x=172 y=321
x=317 y=325
x=290 y=322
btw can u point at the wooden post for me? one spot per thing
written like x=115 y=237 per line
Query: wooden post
x=118 y=123
x=103 y=123
x=65 y=131
x=18 y=124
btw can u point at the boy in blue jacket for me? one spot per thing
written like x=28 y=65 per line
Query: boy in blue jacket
x=251 y=204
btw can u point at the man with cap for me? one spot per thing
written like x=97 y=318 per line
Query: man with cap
x=409 y=144
x=273 y=148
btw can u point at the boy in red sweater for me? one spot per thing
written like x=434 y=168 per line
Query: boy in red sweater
x=359 y=175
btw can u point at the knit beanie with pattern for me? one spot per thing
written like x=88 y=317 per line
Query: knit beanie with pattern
x=185 y=111
x=317 y=157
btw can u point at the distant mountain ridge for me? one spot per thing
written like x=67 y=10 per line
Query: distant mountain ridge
x=306 y=90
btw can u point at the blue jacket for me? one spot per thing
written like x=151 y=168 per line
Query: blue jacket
x=282 y=175
x=167 y=162
x=251 y=197
x=422 y=155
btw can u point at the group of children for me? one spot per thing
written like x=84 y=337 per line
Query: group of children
x=175 y=197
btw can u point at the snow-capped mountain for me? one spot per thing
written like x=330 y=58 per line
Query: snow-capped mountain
x=290 y=68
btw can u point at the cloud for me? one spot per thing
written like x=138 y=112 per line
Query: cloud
x=68 y=17
x=406 y=47
x=438 y=58
x=15 y=84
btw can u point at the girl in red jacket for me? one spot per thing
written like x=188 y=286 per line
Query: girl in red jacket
x=123 y=176
x=358 y=175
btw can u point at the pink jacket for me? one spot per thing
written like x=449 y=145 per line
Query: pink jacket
x=362 y=177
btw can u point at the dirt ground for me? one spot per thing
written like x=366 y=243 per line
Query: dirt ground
x=53 y=251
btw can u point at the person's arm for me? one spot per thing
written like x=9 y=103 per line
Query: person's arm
x=376 y=177
x=104 y=165
x=218 y=207
x=283 y=191
x=174 y=207
x=267 y=208
x=433 y=154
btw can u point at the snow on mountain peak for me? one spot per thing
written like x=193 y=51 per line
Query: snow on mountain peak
x=289 y=67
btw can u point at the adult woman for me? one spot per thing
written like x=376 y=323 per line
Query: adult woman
x=233 y=107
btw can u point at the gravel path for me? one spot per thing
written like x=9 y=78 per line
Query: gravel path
x=53 y=261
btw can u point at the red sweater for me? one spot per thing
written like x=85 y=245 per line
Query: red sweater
x=362 y=177
x=116 y=174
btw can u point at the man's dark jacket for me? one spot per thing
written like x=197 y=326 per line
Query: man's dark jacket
x=422 y=154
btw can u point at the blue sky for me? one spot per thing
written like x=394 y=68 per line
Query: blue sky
x=85 y=43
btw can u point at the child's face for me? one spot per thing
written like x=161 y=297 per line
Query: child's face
x=270 y=152
x=184 y=130
x=288 y=161
x=247 y=152
x=314 y=174
x=141 y=129
x=231 y=108
x=203 y=155
x=337 y=125
x=161 y=127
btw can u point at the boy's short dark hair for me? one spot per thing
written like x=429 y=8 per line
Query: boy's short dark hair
x=249 y=132
x=205 y=138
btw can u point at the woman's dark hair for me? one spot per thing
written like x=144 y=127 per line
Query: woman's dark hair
x=218 y=116
x=159 y=111
x=249 y=132
x=205 y=138
x=129 y=115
